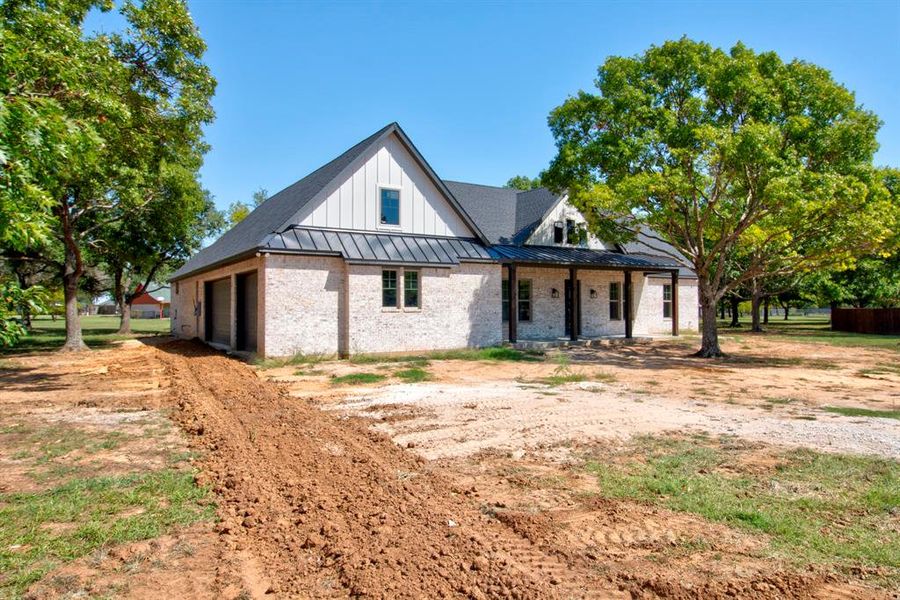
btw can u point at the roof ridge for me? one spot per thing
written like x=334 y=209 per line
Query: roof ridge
x=496 y=187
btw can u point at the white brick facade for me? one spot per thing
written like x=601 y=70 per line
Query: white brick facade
x=186 y=293
x=548 y=313
x=460 y=307
x=322 y=305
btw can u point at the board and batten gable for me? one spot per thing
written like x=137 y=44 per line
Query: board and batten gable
x=352 y=201
x=563 y=211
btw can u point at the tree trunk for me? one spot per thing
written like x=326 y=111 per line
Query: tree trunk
x=74 y=341
x=122 y=302
x=73 y=268
x=755 y=302
x=766 y=311
x=709 y=347
x=722 y=310
x=735 y=311
x=787 y=309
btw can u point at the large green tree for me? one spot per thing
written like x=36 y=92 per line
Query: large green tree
x=106 y=114
x=722 y=154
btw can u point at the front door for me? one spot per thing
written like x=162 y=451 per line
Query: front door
x=568 y=301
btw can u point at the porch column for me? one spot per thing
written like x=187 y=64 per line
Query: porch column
x=628 y=304
x=573 y=304
x=513 y=287
x=674 y=302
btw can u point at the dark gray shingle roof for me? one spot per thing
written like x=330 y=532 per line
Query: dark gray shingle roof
x=505 y=215
x=270 y=216
x=276 y=213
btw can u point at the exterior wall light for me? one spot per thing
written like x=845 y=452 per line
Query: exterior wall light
x=593 y=293
x=554 y=293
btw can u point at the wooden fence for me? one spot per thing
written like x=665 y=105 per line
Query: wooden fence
x=882 y=321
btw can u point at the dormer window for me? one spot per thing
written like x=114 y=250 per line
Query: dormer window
x=558 y=232
x=390 y=207
x=571 y=232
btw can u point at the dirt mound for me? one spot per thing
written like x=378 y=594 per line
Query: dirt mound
x=332 y=509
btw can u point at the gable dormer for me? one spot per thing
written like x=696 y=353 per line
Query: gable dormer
x=564 y=226
x=387 y=189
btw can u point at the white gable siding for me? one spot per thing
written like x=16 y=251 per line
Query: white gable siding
x=352 y=202
x=543 y=233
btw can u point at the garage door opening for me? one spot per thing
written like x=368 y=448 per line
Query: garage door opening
x=246 y=311
x=218 y=311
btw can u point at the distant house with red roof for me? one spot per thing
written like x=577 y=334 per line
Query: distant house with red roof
x=151 y=305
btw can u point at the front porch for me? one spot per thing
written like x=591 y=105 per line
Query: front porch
x=572 y=296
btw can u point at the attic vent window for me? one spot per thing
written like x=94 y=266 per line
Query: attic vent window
x=390 y=207
x=558 y=232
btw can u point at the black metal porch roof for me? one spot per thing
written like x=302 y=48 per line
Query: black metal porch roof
x=575 y=257
x=393 y=248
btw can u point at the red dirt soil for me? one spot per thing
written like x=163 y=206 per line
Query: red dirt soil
x=314 y=505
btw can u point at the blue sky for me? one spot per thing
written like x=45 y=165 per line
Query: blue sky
x=472 y=83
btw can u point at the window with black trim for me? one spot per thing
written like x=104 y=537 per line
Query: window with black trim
x=411 y=294
x=615 y=301
x=558 y=232
x=524 y=302
x=667 y=301
x=390 y=207
x=389 y=289
x=571 y=232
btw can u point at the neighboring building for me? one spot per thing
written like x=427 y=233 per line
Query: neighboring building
x=152 y=305
x=373 y=252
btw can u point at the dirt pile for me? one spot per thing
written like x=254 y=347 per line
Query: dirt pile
x=332 y=509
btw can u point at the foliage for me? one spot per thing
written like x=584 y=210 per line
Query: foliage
x=413 y=374
x=724 y=154
x=113 y=120
x=872 y=281
x=524 y=183
x=238 y=211
x=13 y=302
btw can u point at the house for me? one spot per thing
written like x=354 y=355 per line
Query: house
x=152 y=305
x=373 y=252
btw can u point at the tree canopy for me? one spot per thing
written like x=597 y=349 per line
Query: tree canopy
x=96 y=128
x=734 y=158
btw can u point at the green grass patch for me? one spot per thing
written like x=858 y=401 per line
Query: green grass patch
x=358 y=379
x=811 y=328
x=288 y=361
x=604 y=377
x=816 y=507
x=39 y=531
x=849 y=411
x=497 y=353
x=413 y=374
x=48 y=443
x=562 y=379
x=98 y=331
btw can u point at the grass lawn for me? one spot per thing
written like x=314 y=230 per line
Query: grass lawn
x=812 y=328
x=815 y=507
x=40 y=530
x=98 y=331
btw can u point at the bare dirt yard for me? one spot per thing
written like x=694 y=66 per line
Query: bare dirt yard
x=166 y=469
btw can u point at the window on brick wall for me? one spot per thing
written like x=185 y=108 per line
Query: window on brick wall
x=524 y=303
x=667 y=301
x=411 y=294
x=389 y=289
x=615 y=301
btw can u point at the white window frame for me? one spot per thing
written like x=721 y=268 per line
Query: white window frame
x=391 y=226
x=669 y=302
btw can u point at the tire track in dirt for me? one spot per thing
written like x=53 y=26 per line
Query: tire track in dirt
x=332 y=509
